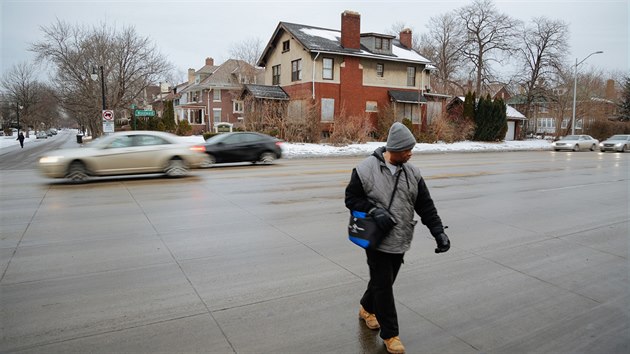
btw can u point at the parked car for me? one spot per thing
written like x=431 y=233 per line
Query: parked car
x=242 y=147
x=575 y=143
x=124 y=153
x=619 y=143
x=41 y=135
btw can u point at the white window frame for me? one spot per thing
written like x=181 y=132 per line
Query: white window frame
x=237 y=106
x=275 y=74
x=216 y=95
x=371 y=106
x=296 y=70
x=382 y=72
x=411 y=76
x=216 y=115
x=328 y=72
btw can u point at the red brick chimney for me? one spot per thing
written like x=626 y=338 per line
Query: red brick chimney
x=405 y=37
x=209 y=61
x=351 y=30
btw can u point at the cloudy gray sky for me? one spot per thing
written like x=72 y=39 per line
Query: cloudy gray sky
x=187 y=32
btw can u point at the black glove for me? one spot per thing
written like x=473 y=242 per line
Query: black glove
x=384 y=220
x=443 y=243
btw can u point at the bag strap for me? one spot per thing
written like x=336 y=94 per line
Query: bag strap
x=391 y=200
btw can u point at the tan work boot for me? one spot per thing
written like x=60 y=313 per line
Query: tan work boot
x=369 y=318
x=394 y=345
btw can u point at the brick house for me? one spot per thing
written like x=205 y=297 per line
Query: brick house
x=212 y=94
x=347 y=72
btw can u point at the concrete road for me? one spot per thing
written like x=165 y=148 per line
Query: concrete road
x=15 y=158
x=254 y=259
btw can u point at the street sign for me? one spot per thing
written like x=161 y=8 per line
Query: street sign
x=108 y=115
x=144 y=113
x=108 y=121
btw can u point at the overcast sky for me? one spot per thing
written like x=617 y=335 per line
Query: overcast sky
x=187 y=32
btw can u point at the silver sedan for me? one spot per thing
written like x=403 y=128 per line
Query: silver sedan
x=620 y=143
x=124 y=153
x=576 y=143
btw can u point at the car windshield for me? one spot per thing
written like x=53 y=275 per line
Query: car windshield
x=571 y=137
x=618 y=137
x=100 y=142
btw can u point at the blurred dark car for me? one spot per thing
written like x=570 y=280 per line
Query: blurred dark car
x=242 y=147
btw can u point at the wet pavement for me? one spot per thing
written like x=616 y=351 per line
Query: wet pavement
x=254 y=259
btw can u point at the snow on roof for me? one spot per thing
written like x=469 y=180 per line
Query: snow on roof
x=317 y=32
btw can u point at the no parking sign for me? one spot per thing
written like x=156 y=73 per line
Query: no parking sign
x=108 y=121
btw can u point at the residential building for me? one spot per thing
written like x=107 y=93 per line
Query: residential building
x=551 y=114
x=212 y=94
x=346 y=72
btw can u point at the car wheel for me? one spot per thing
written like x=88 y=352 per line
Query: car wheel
x=267 y=158
x=176 y=167
x=556 y=149
x=77 y=172
x=624 y=148
x=208 y=161
x=593 y=147
x=576 y=147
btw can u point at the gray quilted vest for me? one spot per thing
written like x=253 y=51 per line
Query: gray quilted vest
x=378 y=184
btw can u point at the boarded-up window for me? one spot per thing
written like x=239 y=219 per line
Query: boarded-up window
x=328 y=109
x=296 y=110
x=434 y=111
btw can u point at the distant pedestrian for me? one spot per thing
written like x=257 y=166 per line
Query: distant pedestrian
x=386 y=179
x=21 y=139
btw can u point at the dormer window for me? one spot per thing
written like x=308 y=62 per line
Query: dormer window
x=377 y=43
x=382 y=43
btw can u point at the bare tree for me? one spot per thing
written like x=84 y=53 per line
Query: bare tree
x=443 y=45
x=248 y=50
x=488 y=35
x=130 y=63
x=21 y=89
x=544 y=46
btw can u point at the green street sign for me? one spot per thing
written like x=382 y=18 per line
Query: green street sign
x=144 y=113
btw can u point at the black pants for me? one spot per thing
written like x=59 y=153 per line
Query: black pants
x=379 y=296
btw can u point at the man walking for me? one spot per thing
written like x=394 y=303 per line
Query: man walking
x=21 y=139
x=391 y=190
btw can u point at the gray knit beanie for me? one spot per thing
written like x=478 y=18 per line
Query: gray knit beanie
x=400 y=138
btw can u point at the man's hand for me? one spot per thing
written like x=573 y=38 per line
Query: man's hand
x=384 y=220
x=443 y=243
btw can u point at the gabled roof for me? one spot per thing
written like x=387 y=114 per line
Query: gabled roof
x=225 y=75
x=267 y=92
x=323 y=40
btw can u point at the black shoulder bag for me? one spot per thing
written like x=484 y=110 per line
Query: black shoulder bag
x=363 y=230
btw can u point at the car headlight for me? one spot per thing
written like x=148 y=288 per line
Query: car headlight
x=50 y=159
x=618 y=144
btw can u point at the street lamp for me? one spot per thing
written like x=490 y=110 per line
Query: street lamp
x=575 y=88
x=94 y=77
x=17 y=113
